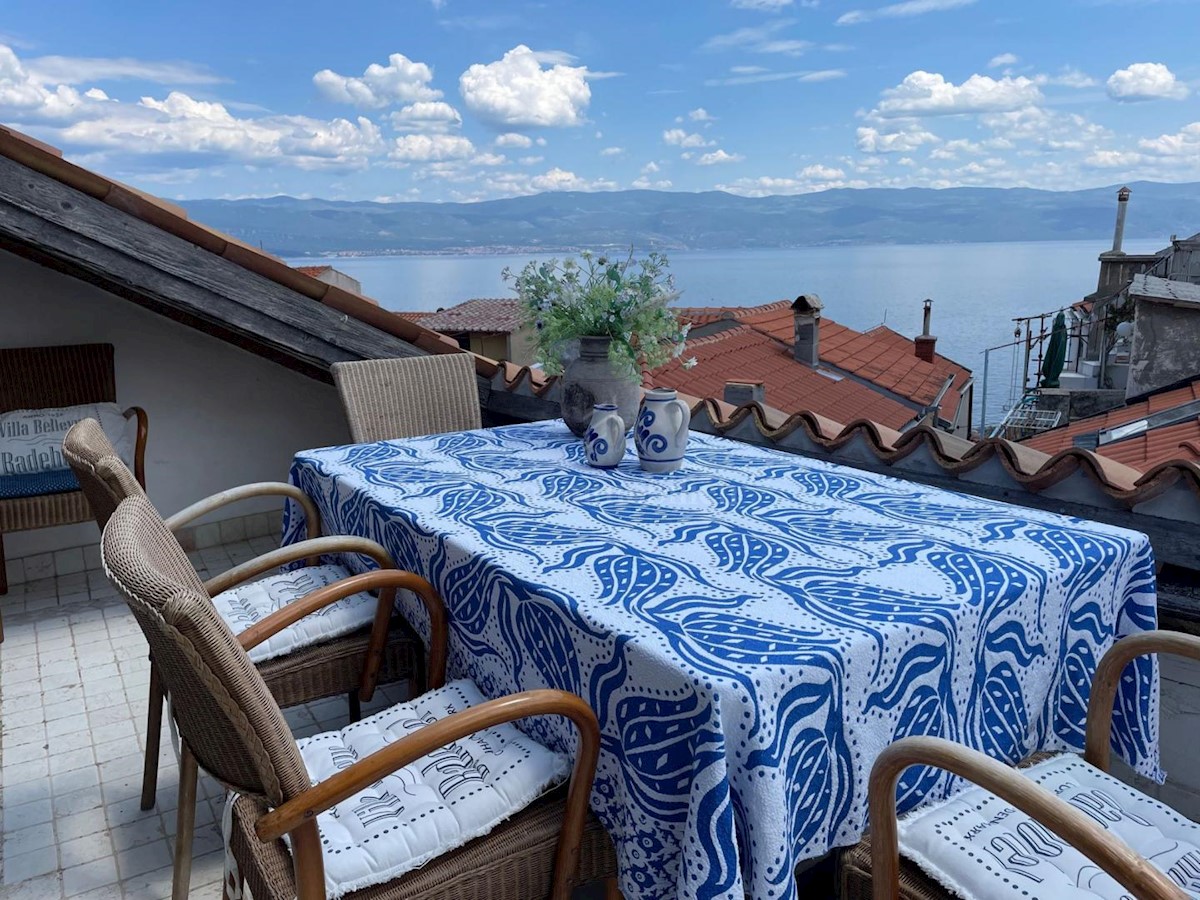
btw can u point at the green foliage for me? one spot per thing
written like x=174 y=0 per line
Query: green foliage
x=626 y=301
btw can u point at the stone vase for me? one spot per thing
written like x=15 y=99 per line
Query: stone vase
x=592 y=379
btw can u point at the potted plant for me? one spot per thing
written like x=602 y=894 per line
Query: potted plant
x=600 y=322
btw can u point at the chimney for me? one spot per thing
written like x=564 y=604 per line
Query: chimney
x=1119 y=233
x=806 y=313
x=924 y=344
x=740 y=393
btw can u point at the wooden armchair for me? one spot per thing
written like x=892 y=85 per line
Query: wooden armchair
x=233 y=728
x=47 y=378
x=387 y=399
x=874 y=869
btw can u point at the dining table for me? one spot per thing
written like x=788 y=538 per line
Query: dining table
x=751 y=630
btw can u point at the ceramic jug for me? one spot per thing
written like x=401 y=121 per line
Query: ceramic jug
x=661 y=431
x=604 y=440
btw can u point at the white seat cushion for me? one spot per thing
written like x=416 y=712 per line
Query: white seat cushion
x=977 y=845
x=248 y=604
x=440 y=802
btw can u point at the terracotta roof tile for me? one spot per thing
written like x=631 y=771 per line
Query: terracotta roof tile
x=484 y=315
x=1145 y=451
x=312 y=271
x=744 y=352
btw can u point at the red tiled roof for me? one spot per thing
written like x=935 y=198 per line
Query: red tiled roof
x=485 y=315
x=1144 y=451
x=882 y=356
x=747 y=354
x=312 y=271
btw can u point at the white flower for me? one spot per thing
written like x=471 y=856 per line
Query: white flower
x=690 y=362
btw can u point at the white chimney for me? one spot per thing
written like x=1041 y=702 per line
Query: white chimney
x=1119 y=233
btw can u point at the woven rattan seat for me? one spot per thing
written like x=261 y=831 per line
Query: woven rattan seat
x=388 y=399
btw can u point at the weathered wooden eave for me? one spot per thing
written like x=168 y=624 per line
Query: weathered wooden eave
x=54 y=224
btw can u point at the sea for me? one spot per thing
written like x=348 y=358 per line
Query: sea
x=977 y=289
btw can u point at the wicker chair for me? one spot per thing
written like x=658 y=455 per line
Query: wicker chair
x=873 y=868
x=230 y=724
x=391 y=649
x=386 y=399
x=47 y=378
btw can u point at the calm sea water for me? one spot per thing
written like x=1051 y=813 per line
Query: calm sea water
x=977 y=289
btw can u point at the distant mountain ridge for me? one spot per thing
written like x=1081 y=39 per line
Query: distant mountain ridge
x=711 y=220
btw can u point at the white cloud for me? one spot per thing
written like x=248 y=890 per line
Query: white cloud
x=759 y=76
x=747 y=70
x=906 y=161
x=900 y=10
x=677 y=137
x=612 y=151
x=645 y=184
x=517 y=92
x=426 y=115
x=1183 y=144
x=650 y=168
x=530 y=160
x=1112 y=159
x=929 y=94
x=82 y=69
x=700 y=114
x=431 y=148
x=759 y=39
x=903 y=140
x=762 y=5
x=1068 y=77
x=1003 y=59
x=556 y=179
x=1043 y=129
x=513 y=139
x=181 y=124
x=719 y=157
x=1145 y=81
x=489 y=159
x=821 y=173
x=400 y=81
x=767 y=186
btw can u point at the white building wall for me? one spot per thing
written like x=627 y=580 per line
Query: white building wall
x=219 y=416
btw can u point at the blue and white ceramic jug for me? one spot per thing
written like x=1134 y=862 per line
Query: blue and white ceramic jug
x=661 y=431
x=604 y=440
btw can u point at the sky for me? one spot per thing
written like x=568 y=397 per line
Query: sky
x=465 y=100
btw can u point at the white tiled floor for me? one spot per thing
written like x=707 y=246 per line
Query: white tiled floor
x=73 y=683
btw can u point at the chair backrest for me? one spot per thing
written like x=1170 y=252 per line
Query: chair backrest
x=387 y=399
x=224 y=710
x=105 y=479
x=50 y=377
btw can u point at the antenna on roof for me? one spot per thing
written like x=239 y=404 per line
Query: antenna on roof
x=884 y=316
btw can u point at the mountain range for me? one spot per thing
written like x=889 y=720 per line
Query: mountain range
x=711 y=220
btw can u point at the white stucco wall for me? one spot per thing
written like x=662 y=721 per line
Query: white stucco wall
x=219 y=416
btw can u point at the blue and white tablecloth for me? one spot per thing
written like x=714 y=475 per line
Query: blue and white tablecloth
x=751 y=630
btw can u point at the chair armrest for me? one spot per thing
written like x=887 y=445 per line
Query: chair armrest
x=386 y=581
x=312 y=518
x=139 y=448
x=304 y=809
x=314 y=548
x=1098 y=844
x=1098 y=742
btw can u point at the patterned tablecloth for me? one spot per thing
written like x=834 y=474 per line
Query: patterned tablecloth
x=751 y=630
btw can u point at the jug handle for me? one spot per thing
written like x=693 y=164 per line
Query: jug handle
x=685 y=419
x=616 y=430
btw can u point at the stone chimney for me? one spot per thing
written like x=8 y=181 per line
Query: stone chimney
x=806 y=312
x=1119 y=233
x=924 y=344
x=739 y=393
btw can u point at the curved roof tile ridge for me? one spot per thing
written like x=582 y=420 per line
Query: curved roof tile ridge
x=1030 y=470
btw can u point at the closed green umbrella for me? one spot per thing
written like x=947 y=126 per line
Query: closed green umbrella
x=1056 y=353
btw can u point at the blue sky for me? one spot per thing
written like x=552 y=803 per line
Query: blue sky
x=468 y=100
